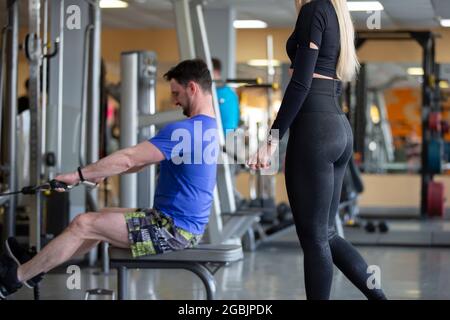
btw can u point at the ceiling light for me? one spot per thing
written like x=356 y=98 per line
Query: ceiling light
x=445 y=23
x=249 y=24
x=415 y=71
x=110 y=4
x=364 y=6
x=263 y=63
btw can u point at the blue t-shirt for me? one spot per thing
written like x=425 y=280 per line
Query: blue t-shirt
x=187 y=176
x=229 y=108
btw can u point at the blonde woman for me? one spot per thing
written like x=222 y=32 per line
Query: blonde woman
x=322 y=53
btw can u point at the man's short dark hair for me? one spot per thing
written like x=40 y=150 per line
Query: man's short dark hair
x=194 y=70
x=217 y=64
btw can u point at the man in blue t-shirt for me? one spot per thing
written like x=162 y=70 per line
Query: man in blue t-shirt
x=187 y=152
x=228 y=100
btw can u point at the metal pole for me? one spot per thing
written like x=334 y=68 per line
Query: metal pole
x=94 y=105
x=59 y=130
x=122 y=283
x=202 y=45
x=44 y=85
x=11 y=101
x=147 y=106
x=128 y=123
x=35 y=59
x=428 y=68
x=259 y=177
x=94 y=119
x=270 y=76
x=270 y=179
x=360 y=112
x=184 y=29
x=84 y=118
x=203 y=52
x=2 y=75
x=53 y=111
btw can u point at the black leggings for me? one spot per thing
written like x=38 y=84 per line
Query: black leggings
x=319 y=148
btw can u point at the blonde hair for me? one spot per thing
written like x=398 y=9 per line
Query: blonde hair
x=348 y=64
x=299 y=4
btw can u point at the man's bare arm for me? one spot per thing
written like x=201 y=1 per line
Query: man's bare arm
x=126 y=160
x=122 y=161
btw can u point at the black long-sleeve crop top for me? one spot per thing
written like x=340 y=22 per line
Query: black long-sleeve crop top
x=317 y=23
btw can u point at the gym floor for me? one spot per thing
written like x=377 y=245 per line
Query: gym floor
x=406 y=273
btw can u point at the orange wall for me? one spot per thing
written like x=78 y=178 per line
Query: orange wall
x=163 y=42
x=251 y=44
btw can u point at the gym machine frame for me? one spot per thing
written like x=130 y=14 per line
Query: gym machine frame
x=137 y=101
x=430 y=97
x=9 y=70
x=44 y=143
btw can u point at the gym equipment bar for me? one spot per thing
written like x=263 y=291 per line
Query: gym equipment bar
x=11 y=101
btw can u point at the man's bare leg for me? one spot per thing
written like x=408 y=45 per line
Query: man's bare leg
x=88 y=245
x=85 y=248
x=105 y=226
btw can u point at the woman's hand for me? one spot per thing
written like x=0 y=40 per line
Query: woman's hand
x=261 y=159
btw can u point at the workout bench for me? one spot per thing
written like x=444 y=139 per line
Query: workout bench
x=203 y=260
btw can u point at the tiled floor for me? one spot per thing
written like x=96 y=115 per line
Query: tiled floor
x=274 y=271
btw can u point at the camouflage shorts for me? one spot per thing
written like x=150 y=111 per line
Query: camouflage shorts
x=152 y=232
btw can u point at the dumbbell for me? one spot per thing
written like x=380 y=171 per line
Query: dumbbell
x=383 y=227
x=370 y=227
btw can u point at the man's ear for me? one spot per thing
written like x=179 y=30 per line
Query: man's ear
x=192 y=87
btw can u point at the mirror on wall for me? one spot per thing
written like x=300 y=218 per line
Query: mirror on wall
x=393 y=132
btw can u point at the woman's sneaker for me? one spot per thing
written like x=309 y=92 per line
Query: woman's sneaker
x=8 y=276
x=21 y=256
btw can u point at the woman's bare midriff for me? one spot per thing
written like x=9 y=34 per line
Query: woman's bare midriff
x=316 y=75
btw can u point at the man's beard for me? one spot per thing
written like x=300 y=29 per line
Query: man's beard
x=187 y=111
